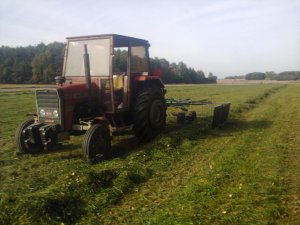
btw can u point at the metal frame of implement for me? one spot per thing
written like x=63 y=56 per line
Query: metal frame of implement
x=220 y=112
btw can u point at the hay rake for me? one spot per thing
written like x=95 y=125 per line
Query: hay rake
x=220 y=110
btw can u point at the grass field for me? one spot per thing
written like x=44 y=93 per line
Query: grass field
x=246 y=172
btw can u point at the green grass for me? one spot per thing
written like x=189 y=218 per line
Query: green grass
x=246 y=172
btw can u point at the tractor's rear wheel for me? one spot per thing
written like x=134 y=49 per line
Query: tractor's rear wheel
x=96 y=143
x=149 y=114
x=22 y=139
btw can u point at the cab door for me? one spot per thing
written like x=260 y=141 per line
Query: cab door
x=120 y=79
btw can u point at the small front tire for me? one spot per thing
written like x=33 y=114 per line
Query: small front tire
x=22 y=139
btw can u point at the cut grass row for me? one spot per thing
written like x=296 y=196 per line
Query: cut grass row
x=60 y=187
x=252 y=178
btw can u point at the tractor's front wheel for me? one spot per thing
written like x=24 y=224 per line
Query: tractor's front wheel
x=149 y=114
x=96 y=143
x=27 y=143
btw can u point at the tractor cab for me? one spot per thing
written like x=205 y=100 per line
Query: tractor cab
x=111 y=62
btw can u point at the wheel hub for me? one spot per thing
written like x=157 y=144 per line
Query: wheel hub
x=156 y=114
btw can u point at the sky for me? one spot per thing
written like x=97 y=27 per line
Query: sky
x=225 y=37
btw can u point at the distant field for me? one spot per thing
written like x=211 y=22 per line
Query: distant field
x=6 y=87
x=243 y=81
x=246 y=172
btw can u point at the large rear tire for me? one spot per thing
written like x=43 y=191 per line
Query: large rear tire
x=22 y=139
x=149 y=114
x=96 y=143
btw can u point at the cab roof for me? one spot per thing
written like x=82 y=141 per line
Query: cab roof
x=118 y=40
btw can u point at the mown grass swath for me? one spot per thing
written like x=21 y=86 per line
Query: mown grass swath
x=189 y=173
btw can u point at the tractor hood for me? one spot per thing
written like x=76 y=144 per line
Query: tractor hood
x=78 y=92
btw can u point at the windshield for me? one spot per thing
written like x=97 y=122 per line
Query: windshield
x=98 y=51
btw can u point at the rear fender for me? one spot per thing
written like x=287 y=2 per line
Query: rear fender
x=149 y=82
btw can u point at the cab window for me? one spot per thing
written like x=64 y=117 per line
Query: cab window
x=139 y=62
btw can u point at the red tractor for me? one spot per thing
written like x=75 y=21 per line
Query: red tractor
x=97 y=94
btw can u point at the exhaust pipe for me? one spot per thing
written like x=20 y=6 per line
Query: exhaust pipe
x=87 y=71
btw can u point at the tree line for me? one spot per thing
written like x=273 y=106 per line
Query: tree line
x=41 y=63
x=181 y=73
x=32 y=64
x=286 y=75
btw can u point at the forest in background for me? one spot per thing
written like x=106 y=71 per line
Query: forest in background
x=286 y=75
x=41 y=63
x=31 y=64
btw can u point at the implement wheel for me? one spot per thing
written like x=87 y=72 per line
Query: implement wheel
x=149 y=114
x=191 y=116
x=181 y=118
x=24 y=142
x=96 y=143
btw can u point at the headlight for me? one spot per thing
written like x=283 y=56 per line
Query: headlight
x=42 y=112
x=55 y=113
x=49 y=113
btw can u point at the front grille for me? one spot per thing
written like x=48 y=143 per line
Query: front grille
x=47 y=99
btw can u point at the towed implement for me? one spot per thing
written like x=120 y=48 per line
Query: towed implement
x=220 y=110
x=107 y=85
